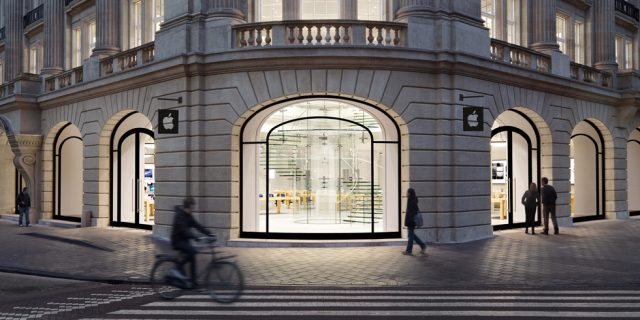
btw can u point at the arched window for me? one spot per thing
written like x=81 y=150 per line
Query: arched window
x=67 y=180
x=320 y=168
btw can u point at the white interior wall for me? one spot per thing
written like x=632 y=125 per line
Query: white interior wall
x=72 y=183
x=585 y=176
x=633 y=175
x=520 y=179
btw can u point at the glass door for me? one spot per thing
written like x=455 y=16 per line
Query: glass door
x=511 y=175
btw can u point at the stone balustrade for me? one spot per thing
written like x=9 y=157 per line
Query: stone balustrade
x=7 y=89
x=127 y=59
x=320 y=33
x=64 y=79
x=520 y=56
x=590 y=75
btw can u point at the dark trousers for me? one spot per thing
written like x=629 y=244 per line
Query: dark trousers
x=188 y=256
x=549 y=209
x=530 y=214
x=412 y=237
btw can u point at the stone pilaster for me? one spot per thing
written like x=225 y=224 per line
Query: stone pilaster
x=412 y=8
x=291 y=10
x=13 y=52
x=604 y=27
x=107 y=31
x=544 y=26
x=26 y=149
x=349 y=9
x=54 y=36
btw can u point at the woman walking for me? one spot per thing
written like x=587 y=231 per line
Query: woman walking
x=530 y=202
x=409 y=222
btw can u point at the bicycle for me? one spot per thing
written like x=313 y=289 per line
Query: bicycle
x=223 y=279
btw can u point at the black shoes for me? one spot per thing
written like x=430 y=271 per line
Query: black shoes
x=556 y=232
x=546 y=233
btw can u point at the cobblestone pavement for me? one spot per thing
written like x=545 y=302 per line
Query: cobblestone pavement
x=590 y=254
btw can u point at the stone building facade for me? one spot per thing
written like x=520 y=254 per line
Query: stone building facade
x=310 y=119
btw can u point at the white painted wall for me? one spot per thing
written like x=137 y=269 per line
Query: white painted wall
x=585 y=177
x=633 y=175
x=71 y=184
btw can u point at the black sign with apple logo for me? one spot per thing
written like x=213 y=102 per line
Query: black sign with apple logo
x=168 y=121
x=473 y=118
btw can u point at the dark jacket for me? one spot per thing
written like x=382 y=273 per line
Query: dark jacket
x=23 y=200
x=530 y=199
x=412 y=209
x=549 y=195
x=182 y=224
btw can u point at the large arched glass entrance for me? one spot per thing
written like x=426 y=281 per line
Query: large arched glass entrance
x=587 y=172
x=320 y=168
x=633 y=172
x=67 y=178
x=515 y=160
x=133 y=173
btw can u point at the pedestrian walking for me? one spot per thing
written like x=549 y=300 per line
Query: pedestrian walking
x=549 y=197
x=410 y=223
x=530 y=202
x=23 y=202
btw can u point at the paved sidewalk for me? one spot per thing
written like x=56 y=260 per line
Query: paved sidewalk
x=591 y=254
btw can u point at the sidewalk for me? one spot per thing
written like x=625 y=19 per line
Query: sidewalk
x=591 y=254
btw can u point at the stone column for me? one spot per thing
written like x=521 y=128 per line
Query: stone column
x=412 y=8
x=13 y=52
x=107 y=27
x=53 y=36
x=604 y=28
x=544 y=26
x=349 y=9
x=226 y=9
x=291 y=10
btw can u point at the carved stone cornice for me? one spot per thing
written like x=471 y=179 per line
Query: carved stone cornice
x=27 y=141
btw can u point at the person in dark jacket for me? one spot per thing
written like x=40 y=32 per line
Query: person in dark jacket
x=23 y=202
x=181 y=235
x=409 y=222
x=549 y=197
x=530 y=202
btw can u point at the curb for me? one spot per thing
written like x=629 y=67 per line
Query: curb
x=58 y=275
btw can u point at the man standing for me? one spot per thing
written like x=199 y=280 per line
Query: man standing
x=24 y=203
x=549 y=197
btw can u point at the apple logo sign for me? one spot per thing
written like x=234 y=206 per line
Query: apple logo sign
x=168 y=121
x=473 y=118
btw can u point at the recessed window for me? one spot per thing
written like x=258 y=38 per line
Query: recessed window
x=561 y=32
x=624 y=52
x=578 y=42
x=374 y=10
x=135 y=39
x=158 y=15
x=76 y=47
x=488 y=15
x=269 y=10
x=320 y=9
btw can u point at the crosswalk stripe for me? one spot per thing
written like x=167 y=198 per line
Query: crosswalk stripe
x=175 y=314
x=412 y=297
x=333 y=304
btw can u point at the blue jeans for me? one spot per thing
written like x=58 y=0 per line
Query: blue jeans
x=24 y=212
x=412 y=236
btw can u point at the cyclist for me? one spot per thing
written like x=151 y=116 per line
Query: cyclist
x=181 y=235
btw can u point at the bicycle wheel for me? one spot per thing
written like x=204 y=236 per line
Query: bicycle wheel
x=160 y=270
x=224 y=281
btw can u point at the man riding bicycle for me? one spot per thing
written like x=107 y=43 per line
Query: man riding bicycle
x=181 y=236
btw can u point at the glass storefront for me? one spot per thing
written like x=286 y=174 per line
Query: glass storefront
x=323 y=167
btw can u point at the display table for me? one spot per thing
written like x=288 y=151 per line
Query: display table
x=501 y=202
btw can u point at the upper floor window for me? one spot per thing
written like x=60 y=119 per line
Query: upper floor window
x=2 y=68
x=320 y=9
x=624 y=52
x=141 y=19
x=83 y=37
x=34 y=61
x=578 y=42
x=372 y=10
x=158 y=14
x=135 y=21
x=489 y=16
x=513 y=16
x=269 y=10
x=561 y=32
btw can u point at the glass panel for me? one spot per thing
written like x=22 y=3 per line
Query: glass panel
x=586 y=180
x=499 y=179
x=92 y=37
x=320 y=178
x=519 y=176
x=147 y=181
x=76 y=50
x=128 y=179
x=561 y=35
x=269 y=10
x=320 y=9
